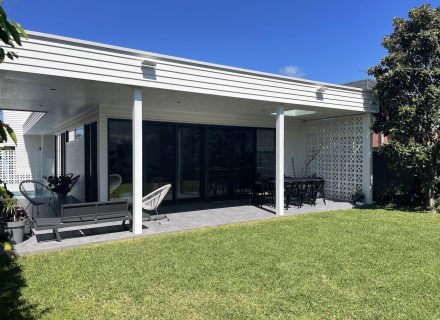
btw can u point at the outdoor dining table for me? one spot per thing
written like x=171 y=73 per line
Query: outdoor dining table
x=297 y=179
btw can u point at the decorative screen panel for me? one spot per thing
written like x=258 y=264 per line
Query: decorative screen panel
x=15 y=169
x=334 y=152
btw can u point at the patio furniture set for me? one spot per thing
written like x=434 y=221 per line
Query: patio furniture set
x=297 y=191
x=90 y=213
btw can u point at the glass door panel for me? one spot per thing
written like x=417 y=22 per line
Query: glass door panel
x=158 y=157
x=244 y=161
x=265 y=153
x=220 y=162
x=189 y=162
x=120 y=160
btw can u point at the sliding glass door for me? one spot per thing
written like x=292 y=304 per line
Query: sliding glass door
x=199 y=161
x=189 y=162
x=244 y=160
x=120 y=159
x=158 y=157
x=220 y=162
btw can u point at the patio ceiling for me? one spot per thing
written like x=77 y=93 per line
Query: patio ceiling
x=62 y=98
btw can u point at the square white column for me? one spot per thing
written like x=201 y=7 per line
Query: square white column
x=137 y=160
x=279 y=162
x=367 y=158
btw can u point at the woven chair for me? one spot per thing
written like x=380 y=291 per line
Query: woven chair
x=319 y=190
x=66 y=186
x=293 y=195
x=37 y=194
x=261 y=193
x=152 y=201
x=114 y=181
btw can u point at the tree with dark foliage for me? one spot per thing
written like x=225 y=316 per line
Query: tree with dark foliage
x=10 y=34
x=408 y=93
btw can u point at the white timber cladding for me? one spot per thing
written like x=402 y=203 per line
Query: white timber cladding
x=59 y=56
x=336 y=150
x=24 y=160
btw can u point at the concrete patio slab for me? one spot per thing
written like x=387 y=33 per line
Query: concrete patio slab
x=181 y=217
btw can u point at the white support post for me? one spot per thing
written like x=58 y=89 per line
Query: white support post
x=42 y=152
x=367 y=161
x=279 y=179
x=102 y=155
x=137 y=160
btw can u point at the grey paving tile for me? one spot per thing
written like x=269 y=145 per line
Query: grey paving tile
x=182 y=217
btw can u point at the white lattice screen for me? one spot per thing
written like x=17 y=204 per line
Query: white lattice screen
x=13 y=170
x=338 y=146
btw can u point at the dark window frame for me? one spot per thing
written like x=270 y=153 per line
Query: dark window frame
x=204 y=166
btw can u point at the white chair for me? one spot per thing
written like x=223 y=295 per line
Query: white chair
x=152 y=201
x=114 y=181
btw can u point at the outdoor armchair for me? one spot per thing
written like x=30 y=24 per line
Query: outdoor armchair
x=37 y=194
x=114 y=181
x=152 y=201
x=66 y=184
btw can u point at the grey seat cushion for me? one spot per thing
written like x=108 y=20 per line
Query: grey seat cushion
x=46 y=222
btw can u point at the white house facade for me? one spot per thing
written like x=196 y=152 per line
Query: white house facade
x=207 y=129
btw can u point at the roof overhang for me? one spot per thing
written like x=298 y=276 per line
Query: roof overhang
x=63 y=77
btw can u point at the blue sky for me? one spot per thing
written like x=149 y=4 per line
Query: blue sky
x=331 y=41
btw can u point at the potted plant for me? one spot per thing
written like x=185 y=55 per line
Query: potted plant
x=14 y=221
x=358 y=198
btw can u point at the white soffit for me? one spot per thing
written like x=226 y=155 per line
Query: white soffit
x=296 y=113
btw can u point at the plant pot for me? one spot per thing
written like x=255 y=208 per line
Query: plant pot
x=13 y=231
x=359 y=203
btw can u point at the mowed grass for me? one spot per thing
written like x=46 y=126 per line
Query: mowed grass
x=354 y=264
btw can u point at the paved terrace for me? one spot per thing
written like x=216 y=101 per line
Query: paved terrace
x=182 y=217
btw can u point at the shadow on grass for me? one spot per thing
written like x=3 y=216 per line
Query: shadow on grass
x=392 y=207
x=12 y=282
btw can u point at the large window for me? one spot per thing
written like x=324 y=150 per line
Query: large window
x=199 y=161
x=158 y=157
x=120 y=158
x=189 y=162
x=265 y=153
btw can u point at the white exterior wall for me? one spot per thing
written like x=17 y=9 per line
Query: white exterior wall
x=49 y=155
x=294 y=147
x=25 y=162
x=75 y=165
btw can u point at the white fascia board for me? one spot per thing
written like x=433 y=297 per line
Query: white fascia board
x=161 y=57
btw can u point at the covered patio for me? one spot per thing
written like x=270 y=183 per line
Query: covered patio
x=182 y=217
x=147 y=117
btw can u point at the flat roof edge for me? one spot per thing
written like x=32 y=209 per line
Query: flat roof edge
x=147 y=54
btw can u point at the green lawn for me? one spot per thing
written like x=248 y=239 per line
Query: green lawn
x=355 y=264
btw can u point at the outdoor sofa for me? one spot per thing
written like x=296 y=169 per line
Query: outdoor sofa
x=78 y=214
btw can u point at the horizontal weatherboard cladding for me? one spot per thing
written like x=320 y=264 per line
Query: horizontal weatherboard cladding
x=64 y=57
